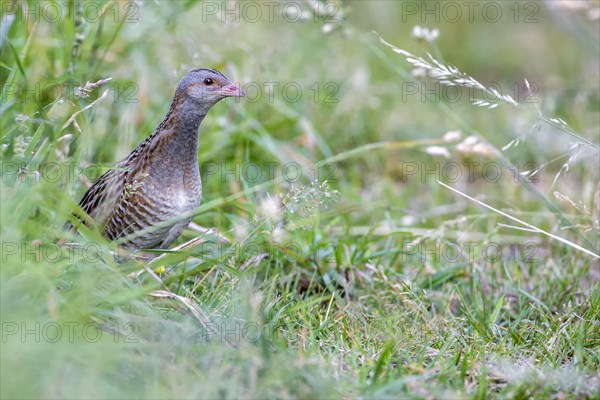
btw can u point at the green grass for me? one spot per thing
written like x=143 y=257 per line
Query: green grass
x=344 y=289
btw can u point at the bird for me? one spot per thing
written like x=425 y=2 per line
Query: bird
x=159 y=180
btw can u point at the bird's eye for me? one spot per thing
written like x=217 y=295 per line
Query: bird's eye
x=208 y=81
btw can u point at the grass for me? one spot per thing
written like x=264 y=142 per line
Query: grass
x=344 y=269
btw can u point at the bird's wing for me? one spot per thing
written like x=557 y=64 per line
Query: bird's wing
x=104 y=201
x=132 y=211
x=100 y=199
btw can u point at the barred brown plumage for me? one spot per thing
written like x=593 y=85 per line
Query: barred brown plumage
x=159 y=180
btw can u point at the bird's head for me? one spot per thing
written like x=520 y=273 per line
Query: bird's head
x=207 y=86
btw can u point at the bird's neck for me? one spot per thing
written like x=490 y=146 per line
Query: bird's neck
x=189 y=120
x=180 y=131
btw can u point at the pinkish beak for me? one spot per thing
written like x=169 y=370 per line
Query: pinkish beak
x=232 y=91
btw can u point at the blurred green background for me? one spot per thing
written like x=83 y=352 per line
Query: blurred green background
x=354 y=311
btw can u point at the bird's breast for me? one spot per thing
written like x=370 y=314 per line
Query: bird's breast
x=176 y=187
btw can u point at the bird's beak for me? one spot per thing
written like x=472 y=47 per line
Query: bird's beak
x=232 y=91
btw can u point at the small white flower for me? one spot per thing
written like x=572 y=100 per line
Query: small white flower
x=419 y=72
x=420 y=33
x=437 y=151
x=466 y=146
x=432 y=35
x=326 y=28
x=452 y=136
x=471 y=140
x=278 y=235
x=483 y=150
x=21 y=118
x=472 y=145
x=270 y=208
x=408 y=220
x=417 y=32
